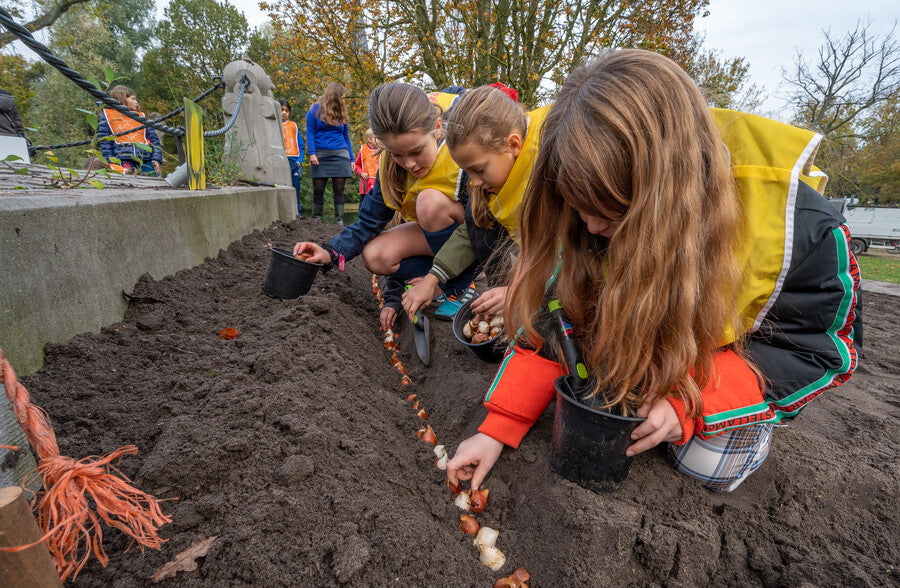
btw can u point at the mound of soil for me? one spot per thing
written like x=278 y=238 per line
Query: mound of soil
x=293 y=443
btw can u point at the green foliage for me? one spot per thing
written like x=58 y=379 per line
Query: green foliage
x=21 y=171
x=877 y=164
x=13 y=73
x=880 y=269
x=74 y=39
x=724 y=81
x=195 y=40
x=65 y=177
x=131 y=25
x=221 y=170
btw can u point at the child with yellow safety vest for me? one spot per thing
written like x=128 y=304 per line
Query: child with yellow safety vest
x=417 y=178
x=710 y=287
x=293 y=148
x=116 y=142
x=492 y=138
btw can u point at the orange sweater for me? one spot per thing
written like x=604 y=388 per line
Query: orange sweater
x=366 y=162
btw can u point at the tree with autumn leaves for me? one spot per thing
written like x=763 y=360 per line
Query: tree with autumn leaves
x=530 y=45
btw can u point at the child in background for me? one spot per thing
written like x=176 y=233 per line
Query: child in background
x=416 y=177
x=495 y=142
x=293 y=148
x=133 y=159
x=366 y=164
x=714 y=306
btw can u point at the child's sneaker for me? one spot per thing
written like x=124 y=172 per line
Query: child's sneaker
x=453 y=302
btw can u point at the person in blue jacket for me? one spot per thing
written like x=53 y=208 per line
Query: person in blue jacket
x=330 y=150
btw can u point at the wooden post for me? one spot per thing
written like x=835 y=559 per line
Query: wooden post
x=29 y=567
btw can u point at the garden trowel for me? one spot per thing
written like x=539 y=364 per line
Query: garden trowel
x=422 y=337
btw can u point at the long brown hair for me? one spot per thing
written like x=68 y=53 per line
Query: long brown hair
x=395 y=109
x=485 y=116
x=331 y=105
x=630 y=138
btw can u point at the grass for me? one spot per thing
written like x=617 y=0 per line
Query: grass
x=880 y=269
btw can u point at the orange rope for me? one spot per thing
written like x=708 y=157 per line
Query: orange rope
x=70 y=487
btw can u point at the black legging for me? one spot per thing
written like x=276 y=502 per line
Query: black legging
x=337 y=186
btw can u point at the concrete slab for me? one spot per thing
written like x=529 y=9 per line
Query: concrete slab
x=880 y=287
x=67 y=255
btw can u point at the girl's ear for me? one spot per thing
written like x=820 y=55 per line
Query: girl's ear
x=514 y=143
x=438 y=129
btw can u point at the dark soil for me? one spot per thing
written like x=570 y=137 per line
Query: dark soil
x=293 y=443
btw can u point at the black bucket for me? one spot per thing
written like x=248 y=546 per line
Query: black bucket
x=588 y=445
x=491 y=351
x=288 y=276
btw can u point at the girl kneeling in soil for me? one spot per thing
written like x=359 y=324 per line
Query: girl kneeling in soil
x=714 y=306
x=416 y=177
x=495 y=142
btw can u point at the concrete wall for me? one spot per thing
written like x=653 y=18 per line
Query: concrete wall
x=67 y=255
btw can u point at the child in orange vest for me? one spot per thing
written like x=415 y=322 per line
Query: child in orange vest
x=293 y=148
x=125 y=148
x=366 y=164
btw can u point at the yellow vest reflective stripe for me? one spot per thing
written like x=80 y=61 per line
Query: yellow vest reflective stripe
x=768 y=161
x=505 y=205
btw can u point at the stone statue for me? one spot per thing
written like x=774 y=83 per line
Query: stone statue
x=254 y=143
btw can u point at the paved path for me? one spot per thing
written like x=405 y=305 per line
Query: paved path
x=880 y=287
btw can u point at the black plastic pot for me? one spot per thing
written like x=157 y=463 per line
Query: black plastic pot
x=490 y=351
x=288 y=276
x=588 y=445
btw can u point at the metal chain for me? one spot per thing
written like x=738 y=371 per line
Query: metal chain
x=218 y=84
x=245 y=81
x=25 y=36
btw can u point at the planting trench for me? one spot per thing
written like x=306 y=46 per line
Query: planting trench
x=294 y=445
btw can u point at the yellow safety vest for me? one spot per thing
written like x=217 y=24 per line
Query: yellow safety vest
x=505 y=204
x=768 y=161
x=443 y=99
x=444 y=175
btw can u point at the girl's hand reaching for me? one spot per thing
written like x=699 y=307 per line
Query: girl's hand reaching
x=473 y=460
x=387 y=318
x=317 y=253
x=491 y=302
x=662 y=424
x=419 y=295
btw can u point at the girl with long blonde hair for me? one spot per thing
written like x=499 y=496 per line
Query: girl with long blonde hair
x=710 y=288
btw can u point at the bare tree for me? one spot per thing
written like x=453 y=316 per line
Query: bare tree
x=853 y=73
x=52 y=12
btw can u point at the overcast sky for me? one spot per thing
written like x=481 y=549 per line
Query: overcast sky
x=767 y=33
